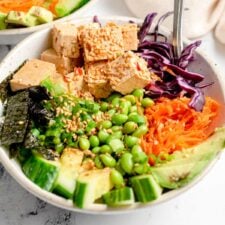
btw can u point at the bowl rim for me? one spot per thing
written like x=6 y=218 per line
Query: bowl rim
x=26 y=30
x=98 y=209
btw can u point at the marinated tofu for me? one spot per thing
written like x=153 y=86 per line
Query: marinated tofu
x=128 y=72
x=83 y=28
x=105 y=43
x=97 y=80
x=64 y=65
x=130 y=37
x=65 y=40
x=31 y=74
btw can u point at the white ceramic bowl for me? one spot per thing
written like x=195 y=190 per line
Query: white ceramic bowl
x=31 y=47
x=14 y=36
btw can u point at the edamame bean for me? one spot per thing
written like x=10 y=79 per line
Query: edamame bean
x=147 y=102
x=35 y=132
x=116 y=101
x=141 y=168
x=138 y=155
x=90 y=126
x=140 y=131
x=119 y=119
x=105 y=149
x=117 y=178
x=130 y=141
x=127 y=163
x=115 y=135
x=94 y=141
x=130 y=98
x=116 y=128
x=139 y=93
x=116 y=145
x=96 y=150
x=53 y=133
x=108 y=160
x=133 y=108
x=135 y=117
x=125 y=107
x=83 y=143
x=104 y=106
x=98 y=162
x=56 y=140
x=112 y=96
x=111 y=112
x=103 y=135
x=106 y=124
x=129 y=127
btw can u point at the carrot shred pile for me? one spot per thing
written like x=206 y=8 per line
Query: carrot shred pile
x=21 y=5
x=174 y=126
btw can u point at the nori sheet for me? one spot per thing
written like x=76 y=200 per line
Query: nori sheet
x=16 y=119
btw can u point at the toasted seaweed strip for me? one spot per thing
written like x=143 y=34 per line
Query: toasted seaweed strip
x=16 y=119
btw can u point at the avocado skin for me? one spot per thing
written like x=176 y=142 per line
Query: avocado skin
x=189 y=163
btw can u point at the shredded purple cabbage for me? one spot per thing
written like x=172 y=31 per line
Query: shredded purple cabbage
x=174 y=78
x=96 y=20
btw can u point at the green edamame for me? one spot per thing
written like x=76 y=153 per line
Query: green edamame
x=127 y=163
x=139 y=93
x=129 y=127
x=105 y=149
x=140 y=131
x=94 y=141
x=96 y=150
x=117 y=178
x=104 y=106
x=130 y=141
x=103 y=135
x=98 y=162
x=138 y=155
x=83 y=143
x=106 y=124
x=147 y=102
x=135 y=117
x=108 y=160
x=119 y=119
x=130 y=98
x=116 y=145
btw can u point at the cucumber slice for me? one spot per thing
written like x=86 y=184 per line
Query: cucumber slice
x=145 y=188
x=65 y=7
x=41 y=171
x=71 y=160
x=120 y=197
x=91 y=185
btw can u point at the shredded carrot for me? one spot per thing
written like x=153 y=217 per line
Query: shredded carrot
x=174 y=126
x=22 y=5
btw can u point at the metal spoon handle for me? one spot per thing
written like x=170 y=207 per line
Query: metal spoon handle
x=177 y=28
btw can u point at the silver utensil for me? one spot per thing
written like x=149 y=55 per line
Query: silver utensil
x=177 y=28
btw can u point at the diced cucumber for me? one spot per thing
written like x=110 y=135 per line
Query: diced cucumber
x=3 y=24
x=145 y=188
x=65 y=7
x=43 y=15
x=91 y=185
x=119 y=197
x=71 y=160
x=41 y=171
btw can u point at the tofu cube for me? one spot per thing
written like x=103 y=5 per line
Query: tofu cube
x=105 y=43
x=130 y=37
x=128 y=72
x=65 y=40
x=83 y=28
x=64 y=65
x=97 y=80
x=31 y=74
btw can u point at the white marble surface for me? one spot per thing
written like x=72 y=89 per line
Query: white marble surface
x=203 y=204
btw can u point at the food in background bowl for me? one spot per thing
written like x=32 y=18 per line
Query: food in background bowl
x=29 y=13
x=108 y=116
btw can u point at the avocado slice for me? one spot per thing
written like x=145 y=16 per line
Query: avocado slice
x=65 y=7
x=21 y=18
x=187 y=164
x=43 y=15
x=3 y=24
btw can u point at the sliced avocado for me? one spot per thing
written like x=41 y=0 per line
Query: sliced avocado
x=65 y=7
x=21 y=18
x=3 y=24
x=187 y=164
x=43 y=15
